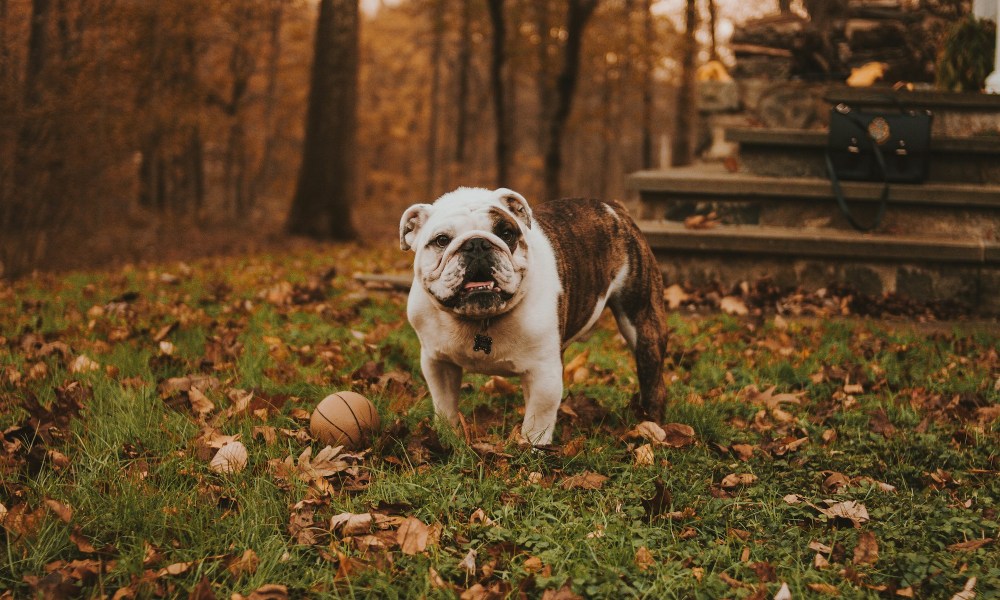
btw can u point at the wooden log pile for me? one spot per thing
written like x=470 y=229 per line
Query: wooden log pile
x=845 y=34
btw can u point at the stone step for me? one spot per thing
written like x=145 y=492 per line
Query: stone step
x=824 y=243
x=949 y=270
x=713 y=182
x=801 y=153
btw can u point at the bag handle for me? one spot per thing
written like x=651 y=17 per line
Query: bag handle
x=838 y=191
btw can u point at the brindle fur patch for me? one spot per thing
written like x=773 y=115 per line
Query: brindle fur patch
x=603 y=241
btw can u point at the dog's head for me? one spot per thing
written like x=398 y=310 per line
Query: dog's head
x=471 y=249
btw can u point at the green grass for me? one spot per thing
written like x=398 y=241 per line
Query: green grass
x=143 y=497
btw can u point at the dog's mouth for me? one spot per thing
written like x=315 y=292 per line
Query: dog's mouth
x=472 y=288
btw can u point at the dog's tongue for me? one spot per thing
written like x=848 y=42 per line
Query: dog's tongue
x=478 y=284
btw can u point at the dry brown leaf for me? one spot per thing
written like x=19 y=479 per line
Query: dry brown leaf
x=231 y=458
x=348 y=524
x=644 y=456
x=732 y=305
x=866 y=552
x=267 y=433
x=82 y=543
x=824 y=588
x=587 y=480
x=478 y=516
x=743 y=452
x=499 y=386
x=200 y=403
x=563 y=593
x=533 y=564
x=63 y=511
x=644 y=558
x=968 y=591
x=853 y=511
x=57 y=459
x=820 y=561
x=579 y=361
x=783 y=593
x=970 y=545
x=468 y=564
x=737 y=479
x=649 y=431
x=413 y=536
x=268 y=591
x=83 y=364
x=246 y=563
x=176 y=569
x=678 y=435
x=675 y=296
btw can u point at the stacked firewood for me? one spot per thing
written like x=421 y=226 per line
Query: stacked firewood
x=841 y=35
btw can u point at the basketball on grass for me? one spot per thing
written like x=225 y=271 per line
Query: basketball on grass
x=344 y=418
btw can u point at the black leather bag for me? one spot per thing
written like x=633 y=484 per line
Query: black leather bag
x=890 y=147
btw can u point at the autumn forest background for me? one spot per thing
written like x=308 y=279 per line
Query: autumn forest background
x=132 y=129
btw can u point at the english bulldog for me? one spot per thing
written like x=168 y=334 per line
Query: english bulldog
x=501 y=288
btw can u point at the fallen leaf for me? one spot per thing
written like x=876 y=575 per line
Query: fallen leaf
x=743 y=452
x=644 y=558
x=202 y=590
x=649 y=431
x=268 y=591
x=732 y=305
x=853 y=511
x=678 y=435
x=176 y=569
x=468 y=564
x=532 y=564
x=563 y=593
x=246 y=563
x=82 y=543
x=348 y=524
x=587 y=480
x=200 y=403
x=783 y=593
x=737 y=479
x=579 y=361
x=824 y=588
x=63 y=511
x=644 y=456
x=970 y=545
x=231 y=458
x=413 y=536
x=83 y=364
x=675 y=296
x=499 y=386
x=968 y=590
x=866 y=552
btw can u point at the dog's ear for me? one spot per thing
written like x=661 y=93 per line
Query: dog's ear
x=410 y=224
x=517 y=205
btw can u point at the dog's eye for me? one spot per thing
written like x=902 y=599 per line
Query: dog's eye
x=442 y=241
x=507 y=235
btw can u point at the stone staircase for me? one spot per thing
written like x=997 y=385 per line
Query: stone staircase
x=777 y=219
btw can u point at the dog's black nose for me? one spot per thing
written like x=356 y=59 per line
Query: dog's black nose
x=477 y=246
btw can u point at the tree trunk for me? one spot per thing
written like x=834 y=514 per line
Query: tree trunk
x=462 y=100
x=262 y=176
x=497 y=67
x=435 y=107
x=543 y=78
x=578 y=14
x=327 y=185
x=712 y=26
x=649 y=35
x=686 y=116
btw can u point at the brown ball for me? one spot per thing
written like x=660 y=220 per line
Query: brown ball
x=344 y=418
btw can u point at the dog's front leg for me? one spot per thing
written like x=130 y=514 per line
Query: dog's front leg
x=543 y=390
x=444 y=380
